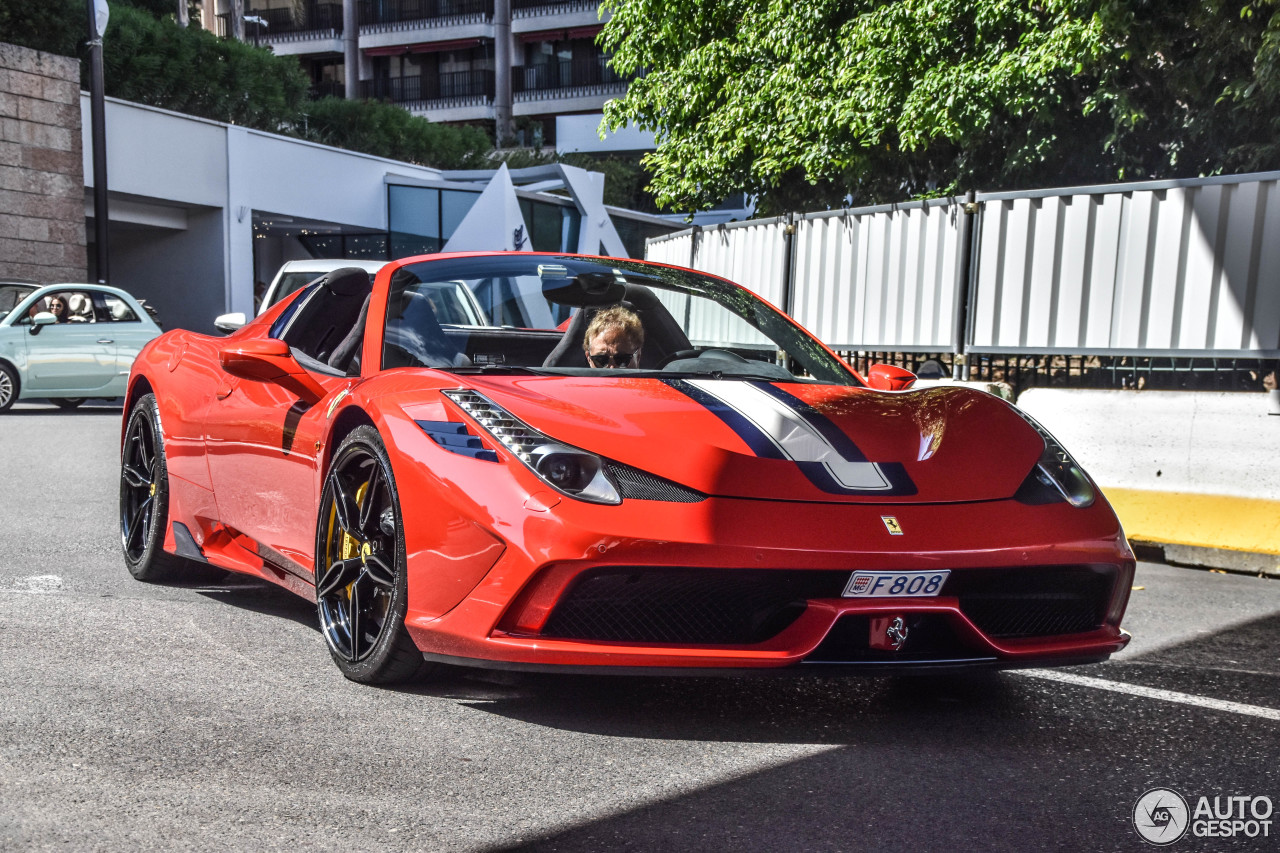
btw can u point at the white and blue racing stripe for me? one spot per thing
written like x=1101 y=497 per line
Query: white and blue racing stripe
x=778 y=425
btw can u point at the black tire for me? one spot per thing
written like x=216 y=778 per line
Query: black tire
x=361 y=576
x=67 y=403
x=144 y=499
x=8 y=387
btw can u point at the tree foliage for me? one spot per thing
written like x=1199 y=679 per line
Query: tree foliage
x=148 y=59
x=390 y=131
x=809 y=101
x=151 y=61
x=54 y=26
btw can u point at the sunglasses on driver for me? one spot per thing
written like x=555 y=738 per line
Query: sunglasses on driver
x=618 y=359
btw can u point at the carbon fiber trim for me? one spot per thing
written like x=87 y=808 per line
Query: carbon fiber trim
x=640 y=485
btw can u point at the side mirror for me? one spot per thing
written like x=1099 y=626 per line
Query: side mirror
x=269 y=360
x=886 y=377
x=228 y=323
x=42 y=318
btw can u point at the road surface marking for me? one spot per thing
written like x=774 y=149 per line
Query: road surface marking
x=1154 y=693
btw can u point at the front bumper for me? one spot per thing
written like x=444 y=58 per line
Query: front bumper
x=527 y=613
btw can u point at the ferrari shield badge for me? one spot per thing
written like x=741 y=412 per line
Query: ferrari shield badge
x=891 y=524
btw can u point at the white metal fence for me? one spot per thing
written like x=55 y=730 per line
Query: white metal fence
x=1179 y=268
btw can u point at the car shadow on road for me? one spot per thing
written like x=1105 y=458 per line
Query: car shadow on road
x=255 y=595
x=783 y=709
x=1239 y=664
x=1001 y=762
x=114 y=410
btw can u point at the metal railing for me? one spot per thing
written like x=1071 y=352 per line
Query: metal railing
x=1161 y=284
x=1110 y=372
x=377 y=12
x=424 y=88
x=328 y=89
x=567 y=74
x=311 y=17
x=554 y=6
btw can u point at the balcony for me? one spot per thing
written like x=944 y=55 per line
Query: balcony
x=459 y=88
x=328 y=89
x=591 y=76
x=535 y=8
x=378 y=16
x=315 y=20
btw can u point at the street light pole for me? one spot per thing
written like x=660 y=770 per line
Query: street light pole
x=98 y=14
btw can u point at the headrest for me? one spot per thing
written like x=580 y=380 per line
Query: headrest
x=78 y=303
x=347 y=281
x=640 y=297
x=583 y=289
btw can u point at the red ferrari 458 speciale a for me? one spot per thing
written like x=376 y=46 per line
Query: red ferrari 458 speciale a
x=560 y=462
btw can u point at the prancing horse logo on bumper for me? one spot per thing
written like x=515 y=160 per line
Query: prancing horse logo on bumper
x=891 y=524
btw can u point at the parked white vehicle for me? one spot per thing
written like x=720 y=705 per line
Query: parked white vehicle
x=291 y=276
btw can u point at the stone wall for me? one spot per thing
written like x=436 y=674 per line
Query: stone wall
x=42 y=217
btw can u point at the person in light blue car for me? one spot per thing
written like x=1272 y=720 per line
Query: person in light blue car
x=69 y=342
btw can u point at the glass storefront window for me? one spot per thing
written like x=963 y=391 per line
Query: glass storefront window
x=454 y=206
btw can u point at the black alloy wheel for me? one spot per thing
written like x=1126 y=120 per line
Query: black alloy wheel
x=144 y=497
x=361 y=580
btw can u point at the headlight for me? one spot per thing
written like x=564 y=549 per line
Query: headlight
x=1057 y=470
x=571 y=470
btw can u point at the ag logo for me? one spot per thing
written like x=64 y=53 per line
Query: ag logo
x=1160 y=816
x=891 y=524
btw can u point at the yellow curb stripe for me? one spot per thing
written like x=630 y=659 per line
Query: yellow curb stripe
x=1205 y=521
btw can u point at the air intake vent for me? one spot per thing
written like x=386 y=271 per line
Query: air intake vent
x=698 y=606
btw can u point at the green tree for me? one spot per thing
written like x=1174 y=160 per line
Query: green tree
x=389 y=131
x=809 y=101
x=54 y=26
x=152 y=61
x=148 y=59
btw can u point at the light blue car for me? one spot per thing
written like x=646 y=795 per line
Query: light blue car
x=68 y=342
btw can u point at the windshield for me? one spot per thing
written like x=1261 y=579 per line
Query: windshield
x=569 y=315
x=12 y=294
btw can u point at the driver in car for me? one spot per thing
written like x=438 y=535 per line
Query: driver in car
x=614 y=338
x=55 y=305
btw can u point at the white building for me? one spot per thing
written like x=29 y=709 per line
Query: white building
x=200 y=210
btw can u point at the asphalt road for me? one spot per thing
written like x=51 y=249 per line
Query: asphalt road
x=135 y=716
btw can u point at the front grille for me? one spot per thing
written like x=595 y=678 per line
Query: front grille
x=688 y=606
x=748 y=606
x=643 y=486
x=1034 y=602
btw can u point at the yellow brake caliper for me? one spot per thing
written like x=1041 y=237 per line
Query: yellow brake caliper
x=349 y=546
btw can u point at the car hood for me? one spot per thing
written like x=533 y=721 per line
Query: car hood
x=785 y=441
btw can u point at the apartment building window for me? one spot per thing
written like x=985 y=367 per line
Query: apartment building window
x=433 y=76
x=563 y=64
x=386 y=12
x=327 y=77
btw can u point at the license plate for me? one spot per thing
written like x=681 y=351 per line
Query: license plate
x=895 y=584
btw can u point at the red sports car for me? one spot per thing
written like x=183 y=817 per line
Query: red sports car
x=538 y=461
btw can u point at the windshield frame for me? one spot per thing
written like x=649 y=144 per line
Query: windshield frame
x=816 y=362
